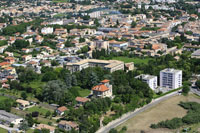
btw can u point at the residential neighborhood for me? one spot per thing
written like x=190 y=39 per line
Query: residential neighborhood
x=86 y=66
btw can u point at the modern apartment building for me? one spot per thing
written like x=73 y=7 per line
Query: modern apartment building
x=149 y=79
x=110 y=65
x=171 y=78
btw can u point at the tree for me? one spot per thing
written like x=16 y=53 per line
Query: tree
x=48 y=113
x=133 y=24
x=55 y=91
x=19 y=44
x=49 y=76
x=24 y=95
x=30 y=120
x=24 y=125
x=93 y=79
x=68 y=80
x=185 y=89
x=74 y=80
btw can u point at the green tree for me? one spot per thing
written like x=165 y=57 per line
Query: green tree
x=24 y=95
x=133 y=24
x=48 y=113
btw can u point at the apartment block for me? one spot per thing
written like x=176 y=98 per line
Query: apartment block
x=149 y=79
x=171 y=78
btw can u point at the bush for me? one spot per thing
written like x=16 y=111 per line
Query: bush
x=35 y=114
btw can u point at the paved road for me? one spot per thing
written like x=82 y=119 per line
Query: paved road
x=129 y=115
x=9 y=128
x=195 y=91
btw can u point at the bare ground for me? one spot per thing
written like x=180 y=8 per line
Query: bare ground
x=165 y=110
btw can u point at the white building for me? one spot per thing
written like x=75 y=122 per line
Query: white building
x=8 y=118
x=171 y=78
x=152 y=81
x=47 y=30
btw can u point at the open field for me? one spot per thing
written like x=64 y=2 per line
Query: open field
x=136 y=60
x=3 y=98
x=84 y=92
x=3 y=130
x=39 y=109
x=165 y=110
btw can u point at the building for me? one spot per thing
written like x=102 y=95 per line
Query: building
x=171 y=78
x=82 y=100
x=61 y=110
x=8 y=118
x=44 y=126
x=68 y=125
x=110 y=65
x=196 y=54
x=102 y=90
x=47 y=30
x=23 y=103
x=149 y=79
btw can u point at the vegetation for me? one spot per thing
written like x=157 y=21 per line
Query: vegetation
x=192 y=117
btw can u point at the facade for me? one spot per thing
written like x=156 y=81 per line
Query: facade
x=110 y=65
x=102 y=90
x=149 y=79
x=47 y=30
x=171 y=78
x=68 y=125
x=9 y=118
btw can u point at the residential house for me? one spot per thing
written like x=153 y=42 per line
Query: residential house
x=44 y=126
x=4 y=64
x=82 y=100
x=23 y=103
x=102 y=90
x=26 y=57
x=61 y=110
x=68 y=125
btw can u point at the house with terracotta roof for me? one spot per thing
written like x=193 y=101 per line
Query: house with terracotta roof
x=44 y=126
x=4 y=64
x=61 y=110
x=82 y=100
x=68 y=125
x=103 y=89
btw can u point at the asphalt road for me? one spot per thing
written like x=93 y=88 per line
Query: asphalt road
x=129 y=115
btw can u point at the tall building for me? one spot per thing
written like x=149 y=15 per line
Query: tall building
x=149 y=79
x=171 y=78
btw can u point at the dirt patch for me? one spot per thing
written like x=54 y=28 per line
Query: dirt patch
x=165 y=110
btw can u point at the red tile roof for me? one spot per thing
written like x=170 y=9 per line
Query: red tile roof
x=82 y=99
x=100 y=87
x=62 y=109
x=105 y=81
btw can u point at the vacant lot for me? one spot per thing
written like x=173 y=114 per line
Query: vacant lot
x=39 y=109
x=3 y=130
x=165 y=110
x=136 y=60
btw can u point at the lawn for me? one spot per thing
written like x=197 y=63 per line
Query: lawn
x=3 y=98
x=3 y=130
x=165 y=110
x=84 y=92
x=136 y=60
x=39 y=109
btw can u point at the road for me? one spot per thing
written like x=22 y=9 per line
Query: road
x=129 y=115
x=195 y=91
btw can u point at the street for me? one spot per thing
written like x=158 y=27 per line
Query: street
x=129 y=115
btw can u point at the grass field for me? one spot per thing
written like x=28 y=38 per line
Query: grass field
x=39 y=109
x=135 y=60
x=3 y=130
x=84 y=92
x=165 y=110
x=3 y=98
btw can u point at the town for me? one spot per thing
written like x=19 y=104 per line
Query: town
x=82 y=65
